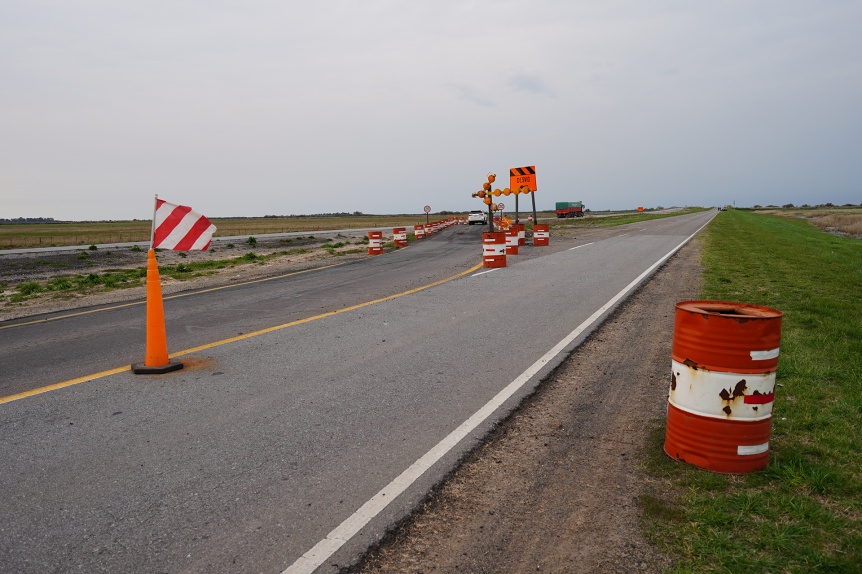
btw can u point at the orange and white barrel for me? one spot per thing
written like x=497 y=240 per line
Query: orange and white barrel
x=494 y=249
x=541 y=234
x=429 y=229
x=375 y=242
x=419 y=231
x=522 y=233
x=724 y=358
x=512 y=242
x=399 y=236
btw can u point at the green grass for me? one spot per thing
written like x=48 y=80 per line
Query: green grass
x=125 y=278
x=803 y=513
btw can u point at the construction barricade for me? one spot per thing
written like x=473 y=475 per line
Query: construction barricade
x=511 y=242
x=399 y=237
x=375 y=242
x=724 y=358
x=494 y=249
x=541 y=235
x=522 y=233
x=419 y=231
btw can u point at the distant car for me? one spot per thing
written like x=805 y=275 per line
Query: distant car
x=720 y=208
x=477 y=216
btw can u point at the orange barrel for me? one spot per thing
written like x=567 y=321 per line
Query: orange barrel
x=399 y=236
x=512 y=242
x=375 y=242
x=494 y=249
x=541 y=234
x=419 y=231
x=724 y=357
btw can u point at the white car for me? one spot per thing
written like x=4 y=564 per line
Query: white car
x=477 y=216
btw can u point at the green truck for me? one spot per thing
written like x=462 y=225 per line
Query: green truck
x=570 y=209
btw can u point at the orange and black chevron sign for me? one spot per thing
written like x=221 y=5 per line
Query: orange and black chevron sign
x=519 y=176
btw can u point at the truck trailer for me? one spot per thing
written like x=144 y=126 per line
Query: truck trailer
x=570 y=209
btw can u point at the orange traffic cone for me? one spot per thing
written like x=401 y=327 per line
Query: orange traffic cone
x=156 y=361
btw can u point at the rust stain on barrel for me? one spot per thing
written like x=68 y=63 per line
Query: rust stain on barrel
x=738 y=391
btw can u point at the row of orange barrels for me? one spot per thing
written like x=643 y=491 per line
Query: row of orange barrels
x=497 y=245
x=399 y=234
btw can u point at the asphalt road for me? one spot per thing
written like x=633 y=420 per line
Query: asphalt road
x=61 y=346
x=261 y=447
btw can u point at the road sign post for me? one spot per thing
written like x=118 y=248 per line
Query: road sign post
x=533 y=197
x=427 y=211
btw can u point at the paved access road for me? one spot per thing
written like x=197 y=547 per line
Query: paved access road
x=260 y=448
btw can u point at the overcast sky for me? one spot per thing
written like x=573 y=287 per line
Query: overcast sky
x=252 y=108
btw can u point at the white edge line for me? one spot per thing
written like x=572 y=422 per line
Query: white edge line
x=579 y=246
x=339 y=536
x=483 y=272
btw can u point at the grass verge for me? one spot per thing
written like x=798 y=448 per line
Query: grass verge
x=82 y=284
x=804 y=512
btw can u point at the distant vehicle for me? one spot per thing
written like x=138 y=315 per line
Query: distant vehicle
x=570 y=209
x=722 y=208
x=477 y=216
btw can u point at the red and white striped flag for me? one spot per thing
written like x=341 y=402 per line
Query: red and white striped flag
x=179 y=228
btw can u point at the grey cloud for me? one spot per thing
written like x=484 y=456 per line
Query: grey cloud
x=470 y=93
x=530 y=83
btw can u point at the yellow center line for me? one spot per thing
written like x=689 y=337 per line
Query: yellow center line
x=177 y=296
x=93 y=377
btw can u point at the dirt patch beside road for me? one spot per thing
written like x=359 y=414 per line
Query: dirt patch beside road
x=556 y=486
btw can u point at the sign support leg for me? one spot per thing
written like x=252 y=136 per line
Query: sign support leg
x=535 y=219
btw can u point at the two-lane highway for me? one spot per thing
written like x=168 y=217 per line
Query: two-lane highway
x=295 y=448
x=38 y=351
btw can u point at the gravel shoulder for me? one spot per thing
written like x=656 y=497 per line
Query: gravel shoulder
x=555 y=488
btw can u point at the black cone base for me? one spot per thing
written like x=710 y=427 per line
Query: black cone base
x=142 y=369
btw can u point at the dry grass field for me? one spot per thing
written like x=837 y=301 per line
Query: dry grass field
x=840 y=220
x=28 y=235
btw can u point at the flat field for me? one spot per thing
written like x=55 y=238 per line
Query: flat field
x=838 y=220
x=29 y=235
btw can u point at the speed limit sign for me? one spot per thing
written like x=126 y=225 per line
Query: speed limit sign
x=427 y=209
